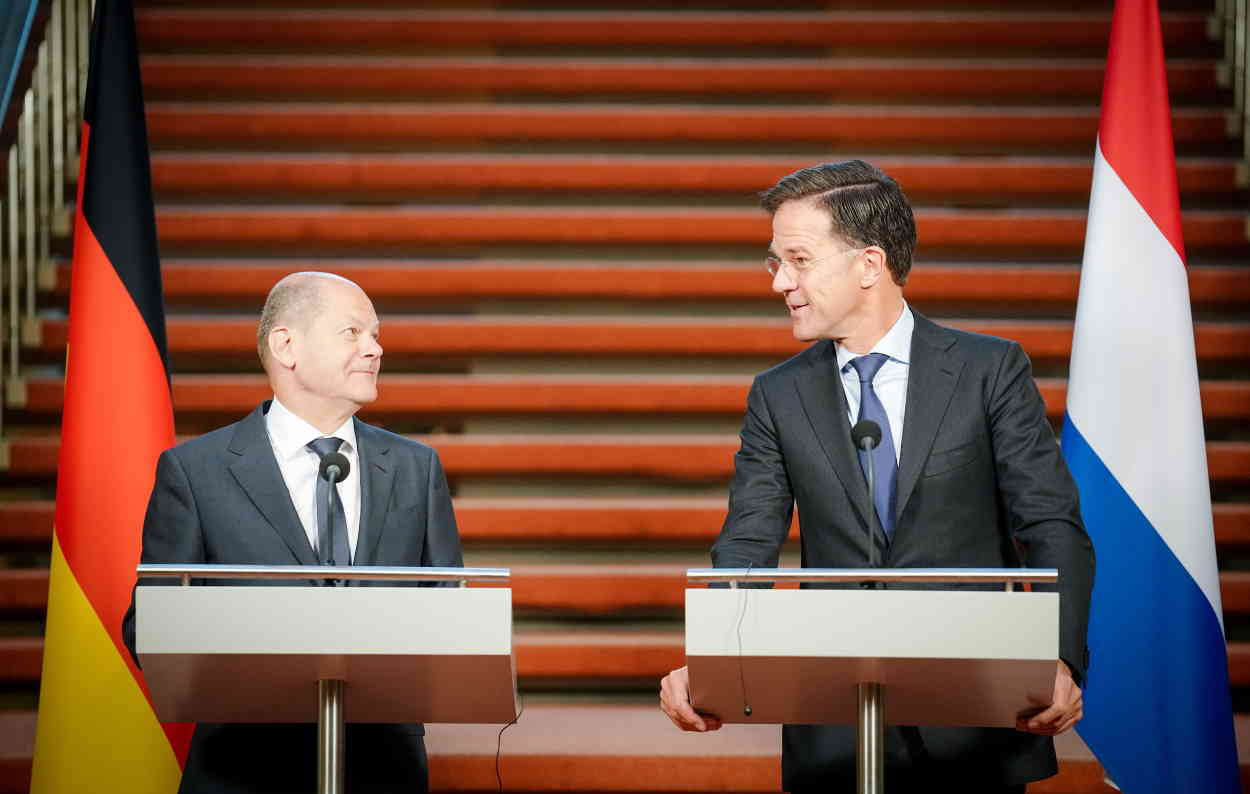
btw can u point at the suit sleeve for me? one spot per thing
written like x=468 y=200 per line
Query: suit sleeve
x=761 y=503
x=1040 y=499
x=442 y=537
x=171 y=530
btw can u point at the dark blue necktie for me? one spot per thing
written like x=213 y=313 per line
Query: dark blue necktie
x=332 y=545
x=886 y=466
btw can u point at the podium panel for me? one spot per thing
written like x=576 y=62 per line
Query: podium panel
x=255 y=654
x=968 y=658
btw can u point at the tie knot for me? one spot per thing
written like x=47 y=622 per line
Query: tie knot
x=867 y=366
x=324 y=446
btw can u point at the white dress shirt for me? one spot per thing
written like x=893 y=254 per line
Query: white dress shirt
x=890 y=382
x=289 y=435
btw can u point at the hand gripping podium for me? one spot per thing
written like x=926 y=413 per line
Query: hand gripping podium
x=824 y=656
x=327 y=654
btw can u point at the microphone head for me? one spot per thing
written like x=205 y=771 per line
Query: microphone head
x=335 y=467
x=866 y=430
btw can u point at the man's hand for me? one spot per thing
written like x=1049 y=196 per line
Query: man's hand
x=1065 y=710
x=675 y=702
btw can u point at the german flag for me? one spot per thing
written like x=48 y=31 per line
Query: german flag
x=97 y=731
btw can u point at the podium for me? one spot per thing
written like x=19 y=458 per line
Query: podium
x=841 y=656
x=330 y=655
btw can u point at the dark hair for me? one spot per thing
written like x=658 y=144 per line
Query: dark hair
x=866 y=206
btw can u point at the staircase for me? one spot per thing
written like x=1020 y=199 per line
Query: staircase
x=553 y=210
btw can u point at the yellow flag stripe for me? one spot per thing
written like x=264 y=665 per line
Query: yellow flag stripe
x=96 y=731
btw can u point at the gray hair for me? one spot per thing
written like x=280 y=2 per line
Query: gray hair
x=295 y=299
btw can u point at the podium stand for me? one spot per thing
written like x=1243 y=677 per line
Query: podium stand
x=826 y=656
x=371 y=654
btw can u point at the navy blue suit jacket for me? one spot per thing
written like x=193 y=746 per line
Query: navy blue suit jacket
x=220 y=498
x=980 y=480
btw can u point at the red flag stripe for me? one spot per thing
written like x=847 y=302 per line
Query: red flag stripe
x=1135 y=133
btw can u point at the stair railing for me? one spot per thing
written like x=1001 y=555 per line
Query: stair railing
x=1229 y=23
x=42 y=169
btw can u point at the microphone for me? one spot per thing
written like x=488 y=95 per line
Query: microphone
x=867 y=435
x=335 y=467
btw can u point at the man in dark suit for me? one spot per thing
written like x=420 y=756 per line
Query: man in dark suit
x=968 y=470
x=249 y=494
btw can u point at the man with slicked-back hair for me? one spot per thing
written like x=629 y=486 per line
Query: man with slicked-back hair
x=968 y=470
x=247 y=494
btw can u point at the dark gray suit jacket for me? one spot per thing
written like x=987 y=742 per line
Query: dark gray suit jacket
x=980 y=476
x=220 y=498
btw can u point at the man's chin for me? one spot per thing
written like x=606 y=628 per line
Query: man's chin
x=365 y=396
x=803 y=335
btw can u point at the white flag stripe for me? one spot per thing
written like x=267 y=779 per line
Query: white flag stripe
x=1145 y=422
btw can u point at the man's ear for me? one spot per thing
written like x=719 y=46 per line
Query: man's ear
x=875 y=267
x=281 y=343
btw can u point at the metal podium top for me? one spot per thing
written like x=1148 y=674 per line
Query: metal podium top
x=1007 y=576
x=358 y=572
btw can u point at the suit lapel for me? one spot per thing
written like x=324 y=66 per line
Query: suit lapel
x=931 y=380
x=377 y=478
x=820 y=392
x=257 y=473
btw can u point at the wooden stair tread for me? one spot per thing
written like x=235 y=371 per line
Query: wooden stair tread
x=176 y=28
x=514 y=335
x=1048 y=230
x=676 y=457
x=476 y=395
x=621 y=748
x=1017 y=81
x=286 y=125
x=443 y=281
x=393 y=174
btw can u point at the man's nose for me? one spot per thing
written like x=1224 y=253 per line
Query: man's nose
x=783 y=282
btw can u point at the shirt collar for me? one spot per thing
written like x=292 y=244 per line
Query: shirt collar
x=896 y=343
x=290 y=434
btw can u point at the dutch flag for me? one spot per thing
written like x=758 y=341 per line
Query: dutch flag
x=1157 y=708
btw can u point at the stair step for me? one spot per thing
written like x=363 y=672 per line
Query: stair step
x=1053 y=231
x=373 y=175
x=509 y=335
x=479 y=395
x=673 y=457
x=1013 y=81
x=321 y=30
x=286 y=126
x=458 y=281
x=617 y=747
x=654 y=521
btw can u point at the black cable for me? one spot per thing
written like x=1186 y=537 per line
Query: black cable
x=742 y=612
x=499 y=742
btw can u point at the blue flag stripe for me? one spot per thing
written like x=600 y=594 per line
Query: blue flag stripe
x=1157 y=652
